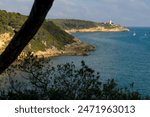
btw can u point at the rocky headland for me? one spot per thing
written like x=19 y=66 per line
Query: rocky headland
x=74 y=25
x=98 y=29
x=77 y=48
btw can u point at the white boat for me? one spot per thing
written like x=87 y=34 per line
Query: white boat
x=134 y=34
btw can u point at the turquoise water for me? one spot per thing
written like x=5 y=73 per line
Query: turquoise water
x=124 y=56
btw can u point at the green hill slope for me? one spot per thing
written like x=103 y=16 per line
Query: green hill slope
x=73 y=23
x=47 y=37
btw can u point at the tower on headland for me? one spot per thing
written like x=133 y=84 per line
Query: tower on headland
x=110 y=22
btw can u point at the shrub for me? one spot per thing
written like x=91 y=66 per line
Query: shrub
x=42 y=80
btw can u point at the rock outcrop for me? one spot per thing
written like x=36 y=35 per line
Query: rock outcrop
x=99 y=29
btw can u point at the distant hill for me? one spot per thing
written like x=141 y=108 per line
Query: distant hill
x=73 y=25
x=47 y=37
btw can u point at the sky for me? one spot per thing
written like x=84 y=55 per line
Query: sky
x=124 y=12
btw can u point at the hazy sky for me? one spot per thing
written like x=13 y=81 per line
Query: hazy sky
x=124 y=12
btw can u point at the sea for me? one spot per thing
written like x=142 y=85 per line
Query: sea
x=123 y=56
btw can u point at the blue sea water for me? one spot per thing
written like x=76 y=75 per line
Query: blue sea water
x=123 y=56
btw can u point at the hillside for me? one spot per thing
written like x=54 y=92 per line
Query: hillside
x=68 y=24
x=72 y=25
x=50 y=39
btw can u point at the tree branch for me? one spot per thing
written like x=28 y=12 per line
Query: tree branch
x=22 y=38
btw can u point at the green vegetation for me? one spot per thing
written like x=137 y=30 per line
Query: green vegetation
x=42 y=80
x=10 y=21
x=74 y=24
x=49 y=34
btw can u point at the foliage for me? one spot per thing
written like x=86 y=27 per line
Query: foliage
x=11 y=20
x=48 y=33
x=73 y=24
x=42 y=80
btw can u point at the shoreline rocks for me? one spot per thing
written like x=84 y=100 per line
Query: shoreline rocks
x=99 y=29
x=77 y=48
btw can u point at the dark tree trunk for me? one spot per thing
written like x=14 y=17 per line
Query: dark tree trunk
x=22 y=38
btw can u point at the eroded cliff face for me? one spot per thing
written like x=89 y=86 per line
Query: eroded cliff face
x=4 y=40
x=99 y=29
x=78 y=48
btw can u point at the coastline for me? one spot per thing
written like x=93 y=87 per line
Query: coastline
x=77 y=48
x=99 y=29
